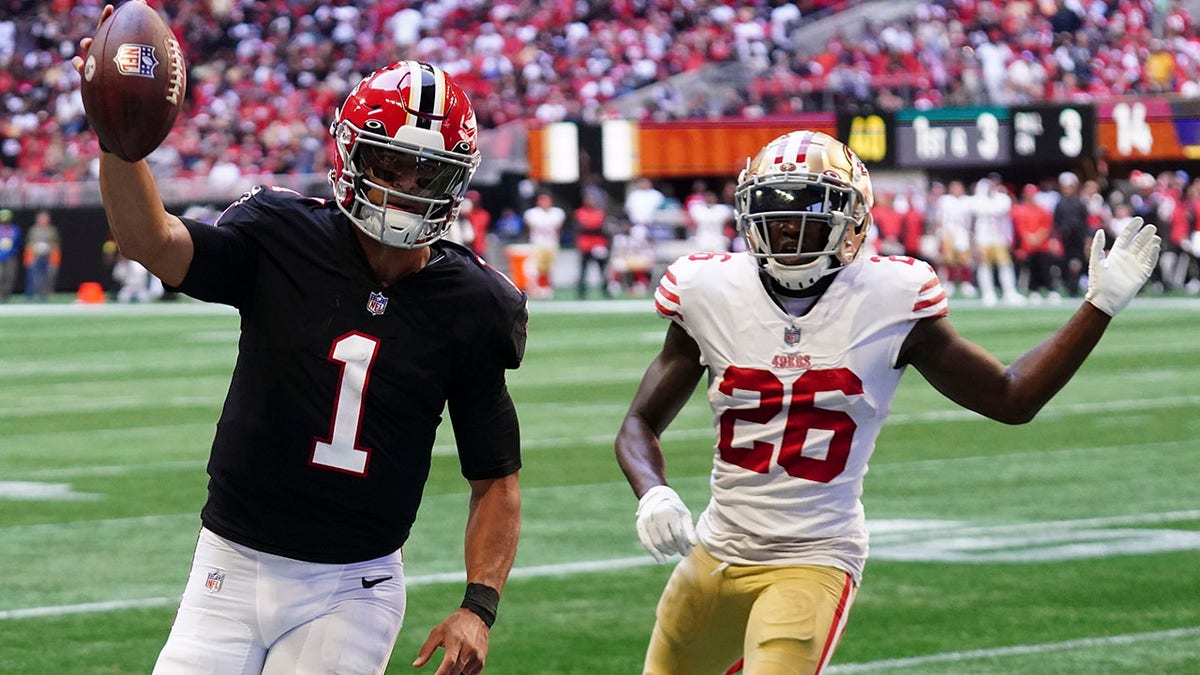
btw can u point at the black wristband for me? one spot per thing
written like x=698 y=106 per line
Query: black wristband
x=483 y=601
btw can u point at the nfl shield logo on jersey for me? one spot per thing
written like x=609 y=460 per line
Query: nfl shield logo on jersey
x=377 y=304
x=791 y=335
x=213 y=583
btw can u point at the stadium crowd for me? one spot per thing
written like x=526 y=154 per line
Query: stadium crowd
x=266 y=75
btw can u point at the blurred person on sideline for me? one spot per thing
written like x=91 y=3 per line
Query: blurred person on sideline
x=632 y=262
x=710 y=220
x=955 y=220
x=10 y=254
x=359 y=326
x=133 y=279
x=1071 y=229
x=888 y=223
x=545 y=222
x=592 y=242
x=993 y=242
x=43 y=256
x=479 y=220
x=642 y=205
x=1037 y=249
x=801 y=343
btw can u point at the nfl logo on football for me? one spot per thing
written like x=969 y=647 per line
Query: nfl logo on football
x=377 y=304
x=791 y=335
x=213 y=583
x=135 y=59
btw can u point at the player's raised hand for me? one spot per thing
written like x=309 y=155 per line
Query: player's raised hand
x=86 y=43
x=664 y=523
x=1116 y=277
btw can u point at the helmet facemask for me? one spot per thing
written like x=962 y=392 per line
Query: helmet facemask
x=801 y=226
x=417 y=189
x=803 y=205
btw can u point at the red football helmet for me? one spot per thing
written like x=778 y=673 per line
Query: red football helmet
x=821 y=188
x=407 y=134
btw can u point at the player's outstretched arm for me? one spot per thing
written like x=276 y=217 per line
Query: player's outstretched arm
x=493 y=525
x=970 y=376
x=664 y=523
x=143 y=228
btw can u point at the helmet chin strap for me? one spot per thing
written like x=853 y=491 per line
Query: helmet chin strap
x=799 y=277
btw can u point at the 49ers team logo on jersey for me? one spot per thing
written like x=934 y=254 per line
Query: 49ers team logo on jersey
x=377 y=303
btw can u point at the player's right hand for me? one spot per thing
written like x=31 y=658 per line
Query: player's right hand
x=1116 y=277
x=664 y=523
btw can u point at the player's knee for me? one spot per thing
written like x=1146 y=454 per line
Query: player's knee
x=783 y=656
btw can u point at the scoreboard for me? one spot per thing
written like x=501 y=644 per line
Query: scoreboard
x=953 y=137
x=990 y=137
x=1053 y=134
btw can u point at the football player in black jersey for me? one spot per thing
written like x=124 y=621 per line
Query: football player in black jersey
x=358 y=326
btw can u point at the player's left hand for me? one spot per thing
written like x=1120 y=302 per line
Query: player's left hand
x=664 y=523
x=464 y=636
x=1114 y=279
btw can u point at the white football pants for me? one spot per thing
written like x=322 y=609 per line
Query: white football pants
x=246 y=612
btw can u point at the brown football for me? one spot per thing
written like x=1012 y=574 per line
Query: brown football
x=134 y=79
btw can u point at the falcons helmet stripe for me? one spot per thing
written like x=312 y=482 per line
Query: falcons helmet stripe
x=406 y=151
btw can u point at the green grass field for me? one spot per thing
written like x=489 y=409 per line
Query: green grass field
x=1069 y=545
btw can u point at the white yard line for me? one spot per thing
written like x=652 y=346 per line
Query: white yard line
x=672 y=435
x=534 y=571
x=1015 y=650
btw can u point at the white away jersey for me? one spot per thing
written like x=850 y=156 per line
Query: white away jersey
x=797 y=402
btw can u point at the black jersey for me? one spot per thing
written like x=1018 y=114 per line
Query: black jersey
x=324 y=442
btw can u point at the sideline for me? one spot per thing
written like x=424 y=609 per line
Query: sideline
x=644 y=305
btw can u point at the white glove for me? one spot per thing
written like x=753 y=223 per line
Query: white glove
x=1115 y=278
x=664 y=523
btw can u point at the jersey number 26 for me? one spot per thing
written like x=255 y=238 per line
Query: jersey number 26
x=803 y=416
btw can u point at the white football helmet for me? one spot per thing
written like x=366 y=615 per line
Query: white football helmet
x=407 y=132
x=815 y=194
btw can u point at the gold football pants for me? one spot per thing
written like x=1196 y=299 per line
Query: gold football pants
x=779 y=620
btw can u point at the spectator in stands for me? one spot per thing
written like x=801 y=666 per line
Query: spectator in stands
x=1037 y=249
x=10 y=254
x=993 y=237
x=1071 y=229
x=592 y=242
x=43 y=255
x=545 y=222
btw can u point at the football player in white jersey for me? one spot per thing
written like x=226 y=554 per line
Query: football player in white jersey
x=804 y=342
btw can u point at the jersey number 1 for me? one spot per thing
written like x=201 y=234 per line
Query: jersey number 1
x=803 y=416
x=340 y=452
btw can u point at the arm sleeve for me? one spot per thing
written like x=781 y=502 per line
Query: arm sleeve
x=486 y=429
x=225 y=258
